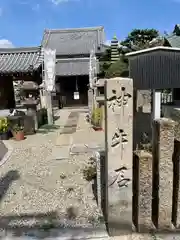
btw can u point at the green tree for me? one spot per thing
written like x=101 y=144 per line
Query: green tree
x=139 y=39
x=105 y=62
x=117 y=69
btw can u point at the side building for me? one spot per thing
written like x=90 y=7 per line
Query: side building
x=73 y=47
x=18 y=64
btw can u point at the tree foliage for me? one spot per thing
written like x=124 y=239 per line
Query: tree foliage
x=140 y=39
x=137 y=39
x=105 y=62
x=117 y=69
x=106 y=56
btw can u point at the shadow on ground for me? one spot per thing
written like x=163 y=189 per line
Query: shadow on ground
x=6 y=181
x=3 y=150
x=46 y=225
x=45 y=129
x=56 y=118
x=42 y=225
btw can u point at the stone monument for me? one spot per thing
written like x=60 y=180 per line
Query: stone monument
x=119 y=154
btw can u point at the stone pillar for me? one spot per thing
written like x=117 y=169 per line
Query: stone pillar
x=118 y=140
x=163 y=146
x=142 y=191
x=176 y=185
x=31 y=111
x=90 y=101
x=98 y=177
x=42 y=99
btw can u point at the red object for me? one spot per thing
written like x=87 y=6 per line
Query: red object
x=18 y=135
x=97 y=128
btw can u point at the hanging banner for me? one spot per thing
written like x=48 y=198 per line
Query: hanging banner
x=76 y=95
x=92 y=69
x=49 y=69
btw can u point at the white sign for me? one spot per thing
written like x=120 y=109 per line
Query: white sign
x=76 y=95
x=50 y=69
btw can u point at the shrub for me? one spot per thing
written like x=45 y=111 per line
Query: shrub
x=89 y=172
x=17 y=128
x=97 y=117
x=4 y=125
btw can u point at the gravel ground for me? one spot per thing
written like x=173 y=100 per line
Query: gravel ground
x=38 y=190
x=39 y=193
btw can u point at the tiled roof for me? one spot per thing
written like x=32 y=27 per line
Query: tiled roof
x=73 y=66
x=74 y=41
x=174 y=40
x=14 y=60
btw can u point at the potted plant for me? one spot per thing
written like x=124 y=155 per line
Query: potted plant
x=18 y=132
x=97 y=119
x=4 y=129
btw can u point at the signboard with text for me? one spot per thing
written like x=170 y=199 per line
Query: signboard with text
x=49 y=69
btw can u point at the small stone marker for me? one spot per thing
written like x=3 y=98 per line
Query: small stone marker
x=118 y=140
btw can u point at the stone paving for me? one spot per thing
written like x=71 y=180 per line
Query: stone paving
x=71 y=125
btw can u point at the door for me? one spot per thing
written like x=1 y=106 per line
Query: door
x=74 y=91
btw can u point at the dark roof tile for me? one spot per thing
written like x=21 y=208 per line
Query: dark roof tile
x=174 y=40
x=74 y=41
x=20 y=59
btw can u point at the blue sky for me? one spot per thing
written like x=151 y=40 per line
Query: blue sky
x=22 y=21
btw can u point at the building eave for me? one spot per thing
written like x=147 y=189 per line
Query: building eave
x=20 y=60
x=66 y=30
x=153 y=49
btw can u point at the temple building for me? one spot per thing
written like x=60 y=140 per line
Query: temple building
x=73 y=47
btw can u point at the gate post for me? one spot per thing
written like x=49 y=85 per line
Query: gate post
x=176 y=184
x=119 y=154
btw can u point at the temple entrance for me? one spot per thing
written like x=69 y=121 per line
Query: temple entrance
x=74 y=90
